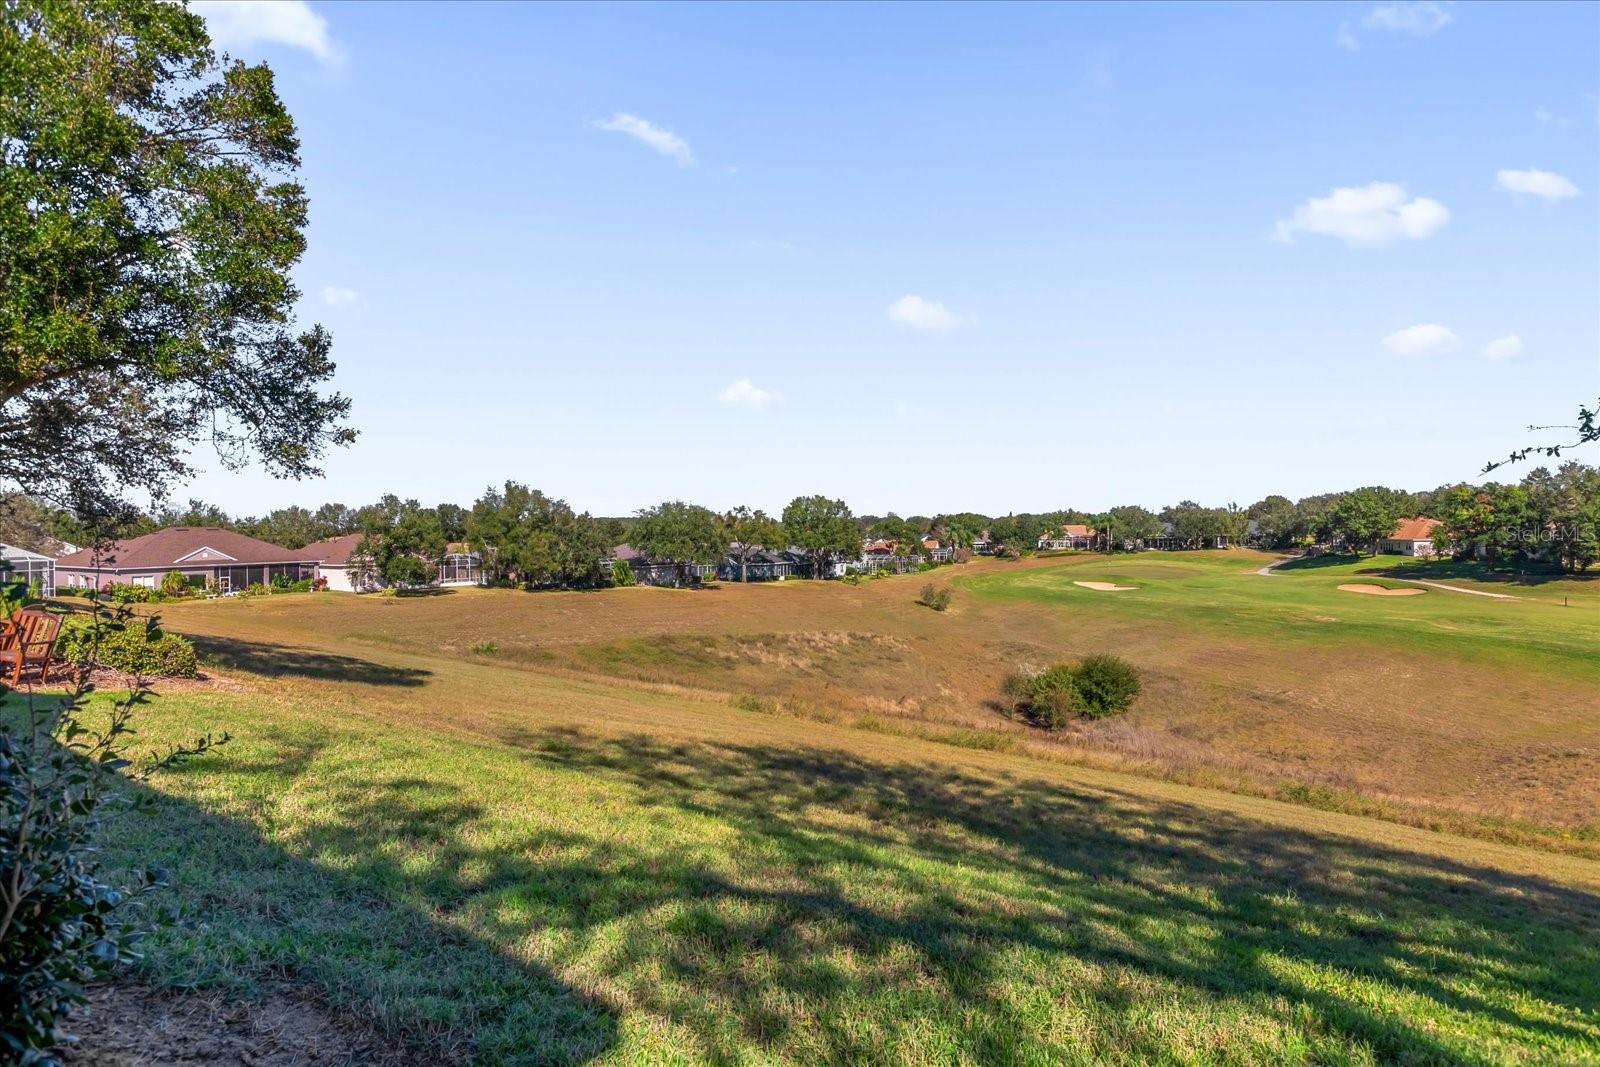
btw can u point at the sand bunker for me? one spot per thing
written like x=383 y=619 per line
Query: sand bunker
x=1106 y=587
x=1378 y=590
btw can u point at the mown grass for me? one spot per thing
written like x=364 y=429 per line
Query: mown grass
x=704 y=883
x=1441 y=710
x=1300 y=603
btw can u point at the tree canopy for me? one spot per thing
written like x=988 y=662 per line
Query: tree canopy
x=401 y=539
x=679 y=533
x=822 y=527
x=526 y=537
x=1364 y=516
x=748 y=531
x=149 y=222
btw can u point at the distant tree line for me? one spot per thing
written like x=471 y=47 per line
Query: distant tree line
x=525 y=538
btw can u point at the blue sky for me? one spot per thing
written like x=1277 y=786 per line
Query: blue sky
x=935 y=258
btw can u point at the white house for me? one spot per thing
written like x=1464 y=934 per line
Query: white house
x=1413 y=537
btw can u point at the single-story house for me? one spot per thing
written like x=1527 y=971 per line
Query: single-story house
x=1073 y=535
x=761 y=566
x=648 y=571
x=340 y=562
x=937 y=552
x=803 y=566
x=210 y=558
x=35 y=568
x=341 y=565
x=1413 y=537
x=982 y=546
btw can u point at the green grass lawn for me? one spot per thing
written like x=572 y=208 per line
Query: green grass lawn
x=678 y=881
x=1300 y=603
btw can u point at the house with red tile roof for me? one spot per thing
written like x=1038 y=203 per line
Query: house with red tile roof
x=1072 y=535
x=1412 y=537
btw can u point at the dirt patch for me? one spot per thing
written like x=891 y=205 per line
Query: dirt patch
x=283 y=1025
x=1378 y=590
x=1107 y=587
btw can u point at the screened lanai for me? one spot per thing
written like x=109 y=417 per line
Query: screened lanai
x=31 y=567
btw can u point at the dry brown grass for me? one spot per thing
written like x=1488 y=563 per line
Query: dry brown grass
x=1351 y=723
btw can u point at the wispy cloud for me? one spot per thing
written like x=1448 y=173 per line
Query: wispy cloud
x=1508 y=347
x=1424 y=339
x=1422 y=18
x=1541 y=183
x=1368 y=216
x=338 y=295
x=242 y=24
x=922 y=314
x=1545 y=117
x=746 y=394
x=646 y=132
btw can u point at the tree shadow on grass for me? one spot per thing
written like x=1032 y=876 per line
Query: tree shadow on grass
x=1446 y=570
x=1315 y=563
x=249 y=910
x=1102 y=872
x=813 y=905
x=283 y=661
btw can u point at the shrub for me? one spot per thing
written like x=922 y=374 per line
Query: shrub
x=1097 y=687
x=937 y=599
x=484 y=648
x=1052 y=699
x=128 y=593
x=1106 y=685
x=622 y=573
x=134 y=648
x=65 y=924
x=175 y=584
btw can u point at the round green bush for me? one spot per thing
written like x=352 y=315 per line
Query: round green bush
x=1096 y=687
x=132 y=649
x=1106 y=685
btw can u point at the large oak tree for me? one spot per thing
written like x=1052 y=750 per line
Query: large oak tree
x=149 y=221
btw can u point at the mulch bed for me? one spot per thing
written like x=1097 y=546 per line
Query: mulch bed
x=282 y=1025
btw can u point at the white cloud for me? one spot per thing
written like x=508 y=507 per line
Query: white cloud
x=1368 y=216
x=336 y=295
x=1424 y=339
x=664 y=141
x=1508 y=347
x=236 y=24
x=1536 y=183
x=1422 y=19
x=1419 y=18
x=923 y=314
x=746 y=394
x=1545 y=117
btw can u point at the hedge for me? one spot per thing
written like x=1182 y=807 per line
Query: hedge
x=133 y=649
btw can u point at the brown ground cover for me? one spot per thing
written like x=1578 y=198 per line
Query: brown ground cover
x=1296 y=713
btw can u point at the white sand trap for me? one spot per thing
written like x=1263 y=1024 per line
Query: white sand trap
x=1106 y=587
x=1378 y=590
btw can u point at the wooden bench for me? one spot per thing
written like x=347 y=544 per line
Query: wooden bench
x=27 y=640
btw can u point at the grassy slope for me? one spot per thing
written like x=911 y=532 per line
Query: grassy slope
x=541 y=870
x=1444 y=709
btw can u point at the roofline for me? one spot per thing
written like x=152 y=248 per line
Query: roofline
x=205 y=548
